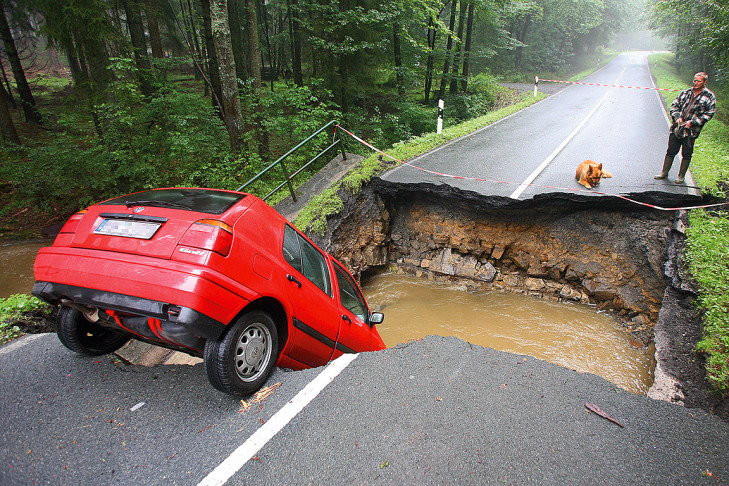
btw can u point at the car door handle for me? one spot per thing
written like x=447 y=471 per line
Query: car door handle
x=293 y=279
x=346 y=318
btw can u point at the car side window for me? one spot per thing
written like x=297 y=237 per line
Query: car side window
x=305 y=258
x=291 y=249
x=350 y=297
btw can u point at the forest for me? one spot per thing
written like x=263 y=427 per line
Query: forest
x=103 y=97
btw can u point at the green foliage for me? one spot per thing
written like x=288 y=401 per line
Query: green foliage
x=699 y=30
x=13 y=308
x=707 y=256
x=42 y=81
x=62 y=175
x=295 y=113
x=555 y=36
x=156 y=142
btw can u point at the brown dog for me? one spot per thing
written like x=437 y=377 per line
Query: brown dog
x=589 y=173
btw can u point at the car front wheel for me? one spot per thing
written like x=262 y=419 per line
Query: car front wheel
x=241 y=360
x=85 y=337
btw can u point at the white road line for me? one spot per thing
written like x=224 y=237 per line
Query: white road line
x=19 y=343
x=255 y=442
x=545 y=163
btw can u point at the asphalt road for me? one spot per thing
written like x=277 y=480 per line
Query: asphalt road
x=625 y=129
x=435 y=411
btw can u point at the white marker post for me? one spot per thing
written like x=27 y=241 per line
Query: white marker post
x=440 y=115
x=536 y=84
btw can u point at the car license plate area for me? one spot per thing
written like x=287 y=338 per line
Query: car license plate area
x=143 y=230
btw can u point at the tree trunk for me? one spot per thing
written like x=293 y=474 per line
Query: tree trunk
x=267 y=38
x=213 y=64
x=7 y=127
x=8 y=92
x=459 y=46
x=73 y=63
x=139 y=46
x=155 y=38
x=521 y=38
x=236 y=38
x=430 y=61
x=195 y=48
x=449 y=46
x=254 y=47
x=398 y=58
x=230 y=103
x=295 y=34
x=32 y=115
x=84 y=85
x=467 y=47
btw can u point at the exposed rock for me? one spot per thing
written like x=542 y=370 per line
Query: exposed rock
x=497 y=252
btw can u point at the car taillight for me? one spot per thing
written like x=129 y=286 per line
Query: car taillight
x=209 y=234
x=72 y=223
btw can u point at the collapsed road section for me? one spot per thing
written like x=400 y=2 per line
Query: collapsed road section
x=623 y=258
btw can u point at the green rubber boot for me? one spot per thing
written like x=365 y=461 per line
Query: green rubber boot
x=667 y=163
x=682 y=171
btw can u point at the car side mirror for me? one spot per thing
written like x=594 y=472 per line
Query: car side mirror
x=376 y=318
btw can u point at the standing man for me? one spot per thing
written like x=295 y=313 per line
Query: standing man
x=689 y=111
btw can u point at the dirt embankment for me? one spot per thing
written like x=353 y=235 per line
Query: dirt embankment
x=623 y=260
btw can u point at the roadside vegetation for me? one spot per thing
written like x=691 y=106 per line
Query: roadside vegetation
x=22 y=312
x=708 y=232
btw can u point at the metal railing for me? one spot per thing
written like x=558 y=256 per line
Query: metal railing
x=280 y=160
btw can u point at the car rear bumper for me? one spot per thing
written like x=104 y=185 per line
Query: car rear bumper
x=195 y=299
x=191 y=320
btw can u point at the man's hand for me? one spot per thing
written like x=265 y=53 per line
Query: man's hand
x=687 y=124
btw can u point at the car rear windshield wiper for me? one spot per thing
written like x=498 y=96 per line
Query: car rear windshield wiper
x=159 y=204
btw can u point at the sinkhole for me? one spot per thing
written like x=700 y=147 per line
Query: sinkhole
x=579 y=284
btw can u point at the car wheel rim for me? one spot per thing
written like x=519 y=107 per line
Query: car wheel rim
x=252 y=352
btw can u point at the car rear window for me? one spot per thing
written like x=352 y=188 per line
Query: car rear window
x=200 y=200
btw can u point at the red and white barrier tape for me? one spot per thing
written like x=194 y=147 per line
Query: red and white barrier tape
x=607 y=85
x=478 y=179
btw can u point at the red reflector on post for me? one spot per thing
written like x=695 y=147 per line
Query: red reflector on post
x=209 y=234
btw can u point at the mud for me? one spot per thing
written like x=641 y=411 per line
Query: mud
x=625 y=259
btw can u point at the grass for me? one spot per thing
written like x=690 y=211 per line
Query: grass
x=313 y=217
x=13 y=308
x=708 y=233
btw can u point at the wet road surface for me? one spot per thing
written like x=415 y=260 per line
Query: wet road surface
x=434 y=411
x=625 y=129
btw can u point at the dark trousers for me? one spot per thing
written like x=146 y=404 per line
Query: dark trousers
x=685 y=144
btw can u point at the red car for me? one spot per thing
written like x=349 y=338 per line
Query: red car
x=217 y=274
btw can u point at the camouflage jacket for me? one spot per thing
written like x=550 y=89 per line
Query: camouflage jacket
x=699 y=109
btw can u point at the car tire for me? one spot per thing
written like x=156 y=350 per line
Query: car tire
x=240 y=362
x=85 y=337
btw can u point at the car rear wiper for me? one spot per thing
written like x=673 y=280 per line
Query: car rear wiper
x=159 y=204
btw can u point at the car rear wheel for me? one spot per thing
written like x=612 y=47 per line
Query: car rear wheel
x=239 y=362
x=85 y=337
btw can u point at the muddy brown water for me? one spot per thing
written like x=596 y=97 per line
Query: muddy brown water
x=16 y=261
x=571 y=335
x=575 y=336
